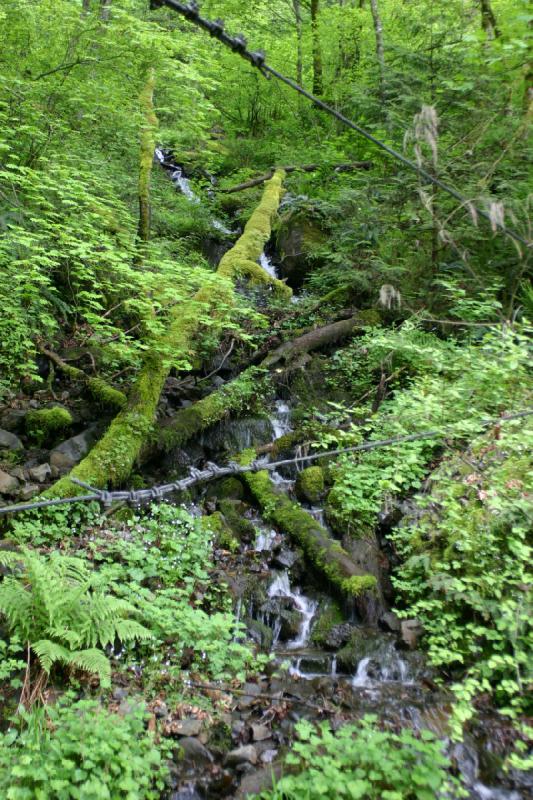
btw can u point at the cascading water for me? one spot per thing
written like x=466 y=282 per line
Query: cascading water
x=267 y=265
x=281 y=587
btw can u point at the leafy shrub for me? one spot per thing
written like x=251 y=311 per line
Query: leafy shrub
x=80 y=751
x=54 y=607
x=364 y=762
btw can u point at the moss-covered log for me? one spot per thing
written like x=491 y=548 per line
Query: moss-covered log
x=101 y=391
x=148 y=133
x=319 y=337
x=349 y=167
x=325 y=553
x=113 y=457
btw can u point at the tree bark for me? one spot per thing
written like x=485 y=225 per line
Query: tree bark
x=318 y=85
x=353 y=165
x=380 y=49
x=299 y=41
x=114 y=456
x=148 y=142
x=105 y=10
x=488 y=20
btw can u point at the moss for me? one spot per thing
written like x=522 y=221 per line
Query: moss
x=223 y=534
x=105 y=395
x=233 y=516
x=370 y=317
x=228 y=488
x=241 y=260
x=310 y=484
x=148 y=133
x=328 y=617
x=325 y=553
x=43 y=424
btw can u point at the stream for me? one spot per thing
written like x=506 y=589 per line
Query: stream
x=355 y=668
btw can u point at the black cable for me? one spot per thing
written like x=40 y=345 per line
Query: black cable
x=257 y=59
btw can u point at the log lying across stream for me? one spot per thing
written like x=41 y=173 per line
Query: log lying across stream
x=352 y=165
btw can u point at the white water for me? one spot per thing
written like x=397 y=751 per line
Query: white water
x=281 y=587
x=264 y=540
x=184 y=185
x=487 y=793
x=280 y=419
x=391 y=668
x=267 y=265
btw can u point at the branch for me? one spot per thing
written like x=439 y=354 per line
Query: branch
x=306 y=168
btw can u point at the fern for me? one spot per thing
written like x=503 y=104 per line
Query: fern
x=55 y=606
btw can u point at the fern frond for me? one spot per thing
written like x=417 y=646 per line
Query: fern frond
x=9 y=558
x=128 y=629
x=93 y=661
x=49 y=653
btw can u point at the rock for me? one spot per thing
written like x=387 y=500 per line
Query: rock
x=310 y=484
x=160 y=709
x=268 y=756
x=298 y=239
x=260 y=780
x=8 y=484
x=390 y=622
x=187 y=727
x=41 y=473
x=13 y=419
x=29 y=490
x=338 y=635
x=8 y=441
x=119 y=694
x=411 y=632
x=247 y=754
x=285 y=559
x=18 y=472
x=194 y=751
x=43 y=424
x=252 y=690
x=71 y=451
x=186 y=793
x=260 y=732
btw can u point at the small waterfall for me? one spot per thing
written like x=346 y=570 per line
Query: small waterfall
x=385 y=665
x=183 y=184
x=361 y=676
x=307 y=608
x=482 y=792
x=267 y=265
x=280 y=419
x=264 y=539
x=318 y=514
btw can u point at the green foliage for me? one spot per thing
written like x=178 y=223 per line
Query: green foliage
x=361 y=761
x=53 y=606
x=466 y=570
x=77 y=750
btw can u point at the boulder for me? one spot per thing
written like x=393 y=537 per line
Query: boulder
x=390 y=622
x=299 y=237
x=242 y=755
x=8 y=484
x=193 y=751
x=8 y=441
x=13 y=419
x=187 y=727
x=40 y=473
x=29 y=490
x=70 y=452
x=411 y=630
x=339 y=635
x=310 y=484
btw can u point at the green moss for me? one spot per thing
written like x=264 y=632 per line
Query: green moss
x=228 y=488
x=310 y=484
x=43 y=424
x=241 y=260
x=223 y=533
x=328 y=617
x=325 y=553
x=233 y=516
x=105 y=395
x=370 y=317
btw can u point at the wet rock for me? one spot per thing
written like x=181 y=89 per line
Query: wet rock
x=260 y=780
x=261 y=732
x=260 y=633
x=299 y=235
x=411 y=632
x=238 y=434
x=247 y=754
x=285 y=559
x=390 y=622
x=70 y=452
x=192 y=750
x=186 y=793
x=29 y=490
x=18 y=472
x=268 y=756
x=252 y=690
x=40 y=473
x=187 y=727
x=8 y=441
x=339 y=635
x=8 y=484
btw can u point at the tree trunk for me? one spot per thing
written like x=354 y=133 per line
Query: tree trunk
x=148 y=142
x=353 y=165
x=105 y=10
x=380 y=49
x=113 y=457
x=317 y=49
x=488 y=20
x=299 y=41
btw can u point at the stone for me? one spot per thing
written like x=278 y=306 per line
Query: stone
x=411 y=632
x=8 y=441
x=70 y=452
x=8 y=484
x=339 y=635
x=119 y=694
x=160 y=709
x=285 y=559
x=260 y=780
x=187 y=727
x=390 y=622
x=13 y=419
x=18 y=472
x=260 y=732
x=40 y=473
x=251 y=689
x=247 y=754
x=310 y=484
x=29 y=490
x=194 y=751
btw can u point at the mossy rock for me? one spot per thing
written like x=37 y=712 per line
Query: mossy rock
x=223 y=534
x=329 y=615
x=310 y=484
x=260 y=633
x=228 y=488
x=233 y=513
x=370 y=317
x=44 y=424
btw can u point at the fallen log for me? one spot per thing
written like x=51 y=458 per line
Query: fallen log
x=113 y=457
x=353 y=165
x=100 y=390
